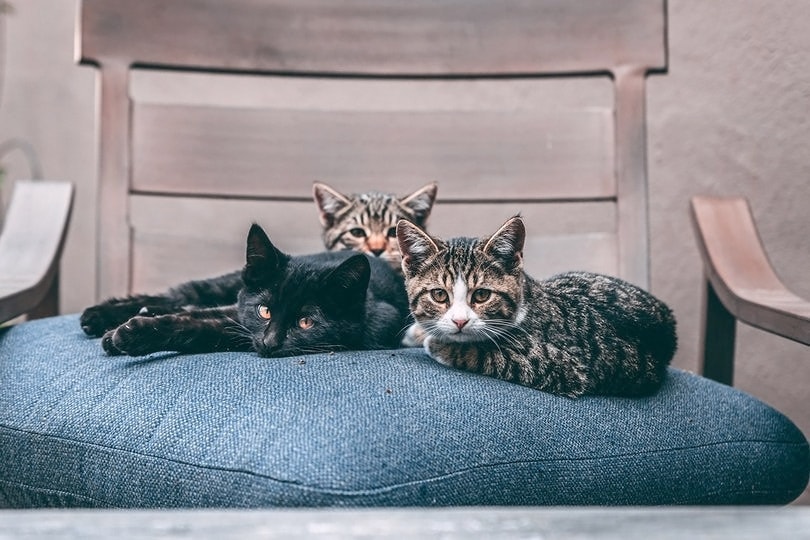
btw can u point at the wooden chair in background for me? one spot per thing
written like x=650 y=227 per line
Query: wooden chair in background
x=213 y=115
x=216 y=114
x=33 y=234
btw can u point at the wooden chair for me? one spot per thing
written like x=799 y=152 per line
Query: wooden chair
x=215 y=114
x=31 y=242
x=741 y=284
x=549 y=123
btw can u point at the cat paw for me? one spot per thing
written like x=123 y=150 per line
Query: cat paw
x=136 y=337
x=156 y=311
x=107 y=344
x=434 y=351
x=101 y=318
x=414 y=336
x=97 y=320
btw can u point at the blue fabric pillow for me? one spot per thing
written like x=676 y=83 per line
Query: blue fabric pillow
x=78 y=428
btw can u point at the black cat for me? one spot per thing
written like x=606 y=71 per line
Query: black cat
x=278 y=305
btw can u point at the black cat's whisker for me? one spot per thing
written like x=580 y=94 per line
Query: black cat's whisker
x=237 y=325
x=238 y=330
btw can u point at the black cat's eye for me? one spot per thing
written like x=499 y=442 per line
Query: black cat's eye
x=481 y=295
x=264 y=312
x=305 y=323
x=392 y=232
x=439 y=295
x=357 y=232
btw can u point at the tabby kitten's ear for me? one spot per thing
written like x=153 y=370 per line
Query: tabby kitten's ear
x=420 y=202
x=415 y=245
x=347 y=283
x=329 y=202
x=507 y=243
x=263 y=259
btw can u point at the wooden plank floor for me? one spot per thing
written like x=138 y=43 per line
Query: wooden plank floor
x=456 y=523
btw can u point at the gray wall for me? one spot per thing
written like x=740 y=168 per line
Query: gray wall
x=730 y=117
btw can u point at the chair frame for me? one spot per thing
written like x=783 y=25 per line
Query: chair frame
x=431 y=40
x=740 y=285
x=31 y=243
x=620 y=38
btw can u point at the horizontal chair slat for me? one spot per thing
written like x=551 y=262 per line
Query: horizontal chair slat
x=180 y=238
x=474 y=155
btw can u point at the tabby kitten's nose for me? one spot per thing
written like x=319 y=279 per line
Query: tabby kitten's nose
x=377 y=252
x=461 y=323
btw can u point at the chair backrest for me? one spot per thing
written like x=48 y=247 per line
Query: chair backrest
x=215 y=114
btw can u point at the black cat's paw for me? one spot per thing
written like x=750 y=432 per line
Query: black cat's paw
x=101 y=318
x=137 y=337
x=107 y=344
x=156 y=311
x=98 y=319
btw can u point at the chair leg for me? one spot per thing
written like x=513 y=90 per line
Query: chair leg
x=718 y=332
x=50 y=304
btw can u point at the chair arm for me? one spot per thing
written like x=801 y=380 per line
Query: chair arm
x=740 y=284
x=30 y=247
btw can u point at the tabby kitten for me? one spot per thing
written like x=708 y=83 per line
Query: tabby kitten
x=367 y=221
x=287 y=306
x=364 y=222
x=572 y=334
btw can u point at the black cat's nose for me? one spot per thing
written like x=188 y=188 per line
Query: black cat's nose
x=377 y=252
x=270 y=342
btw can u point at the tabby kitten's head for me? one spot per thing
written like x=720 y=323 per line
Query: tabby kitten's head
x=464 y=289
x=303 y=304
x=367 y=222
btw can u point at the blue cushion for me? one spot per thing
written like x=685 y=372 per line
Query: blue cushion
x=380 y=428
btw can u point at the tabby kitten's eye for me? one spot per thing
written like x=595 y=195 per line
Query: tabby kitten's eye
x=439 y=295
x=357 y=232
x=481 y=295
x=264 y=312
x=305 y=323
x=392 y=232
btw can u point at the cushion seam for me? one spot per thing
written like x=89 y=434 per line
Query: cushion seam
x=391 y=487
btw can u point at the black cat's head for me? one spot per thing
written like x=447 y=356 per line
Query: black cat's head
x=301 y=305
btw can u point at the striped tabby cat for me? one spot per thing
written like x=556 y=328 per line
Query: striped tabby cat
x=573 y=334
x=367 y=222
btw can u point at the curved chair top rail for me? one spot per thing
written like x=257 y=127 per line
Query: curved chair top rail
x=378 y=37
x=739 y=271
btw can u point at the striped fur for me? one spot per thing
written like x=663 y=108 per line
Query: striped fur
x=366 y=222
x=572 y=334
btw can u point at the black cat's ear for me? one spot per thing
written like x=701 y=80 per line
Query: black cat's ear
x=262 y=258
x=420 y=203
x=507 y=242
x=415 y=245
x=329 y=202
x=348 y=282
